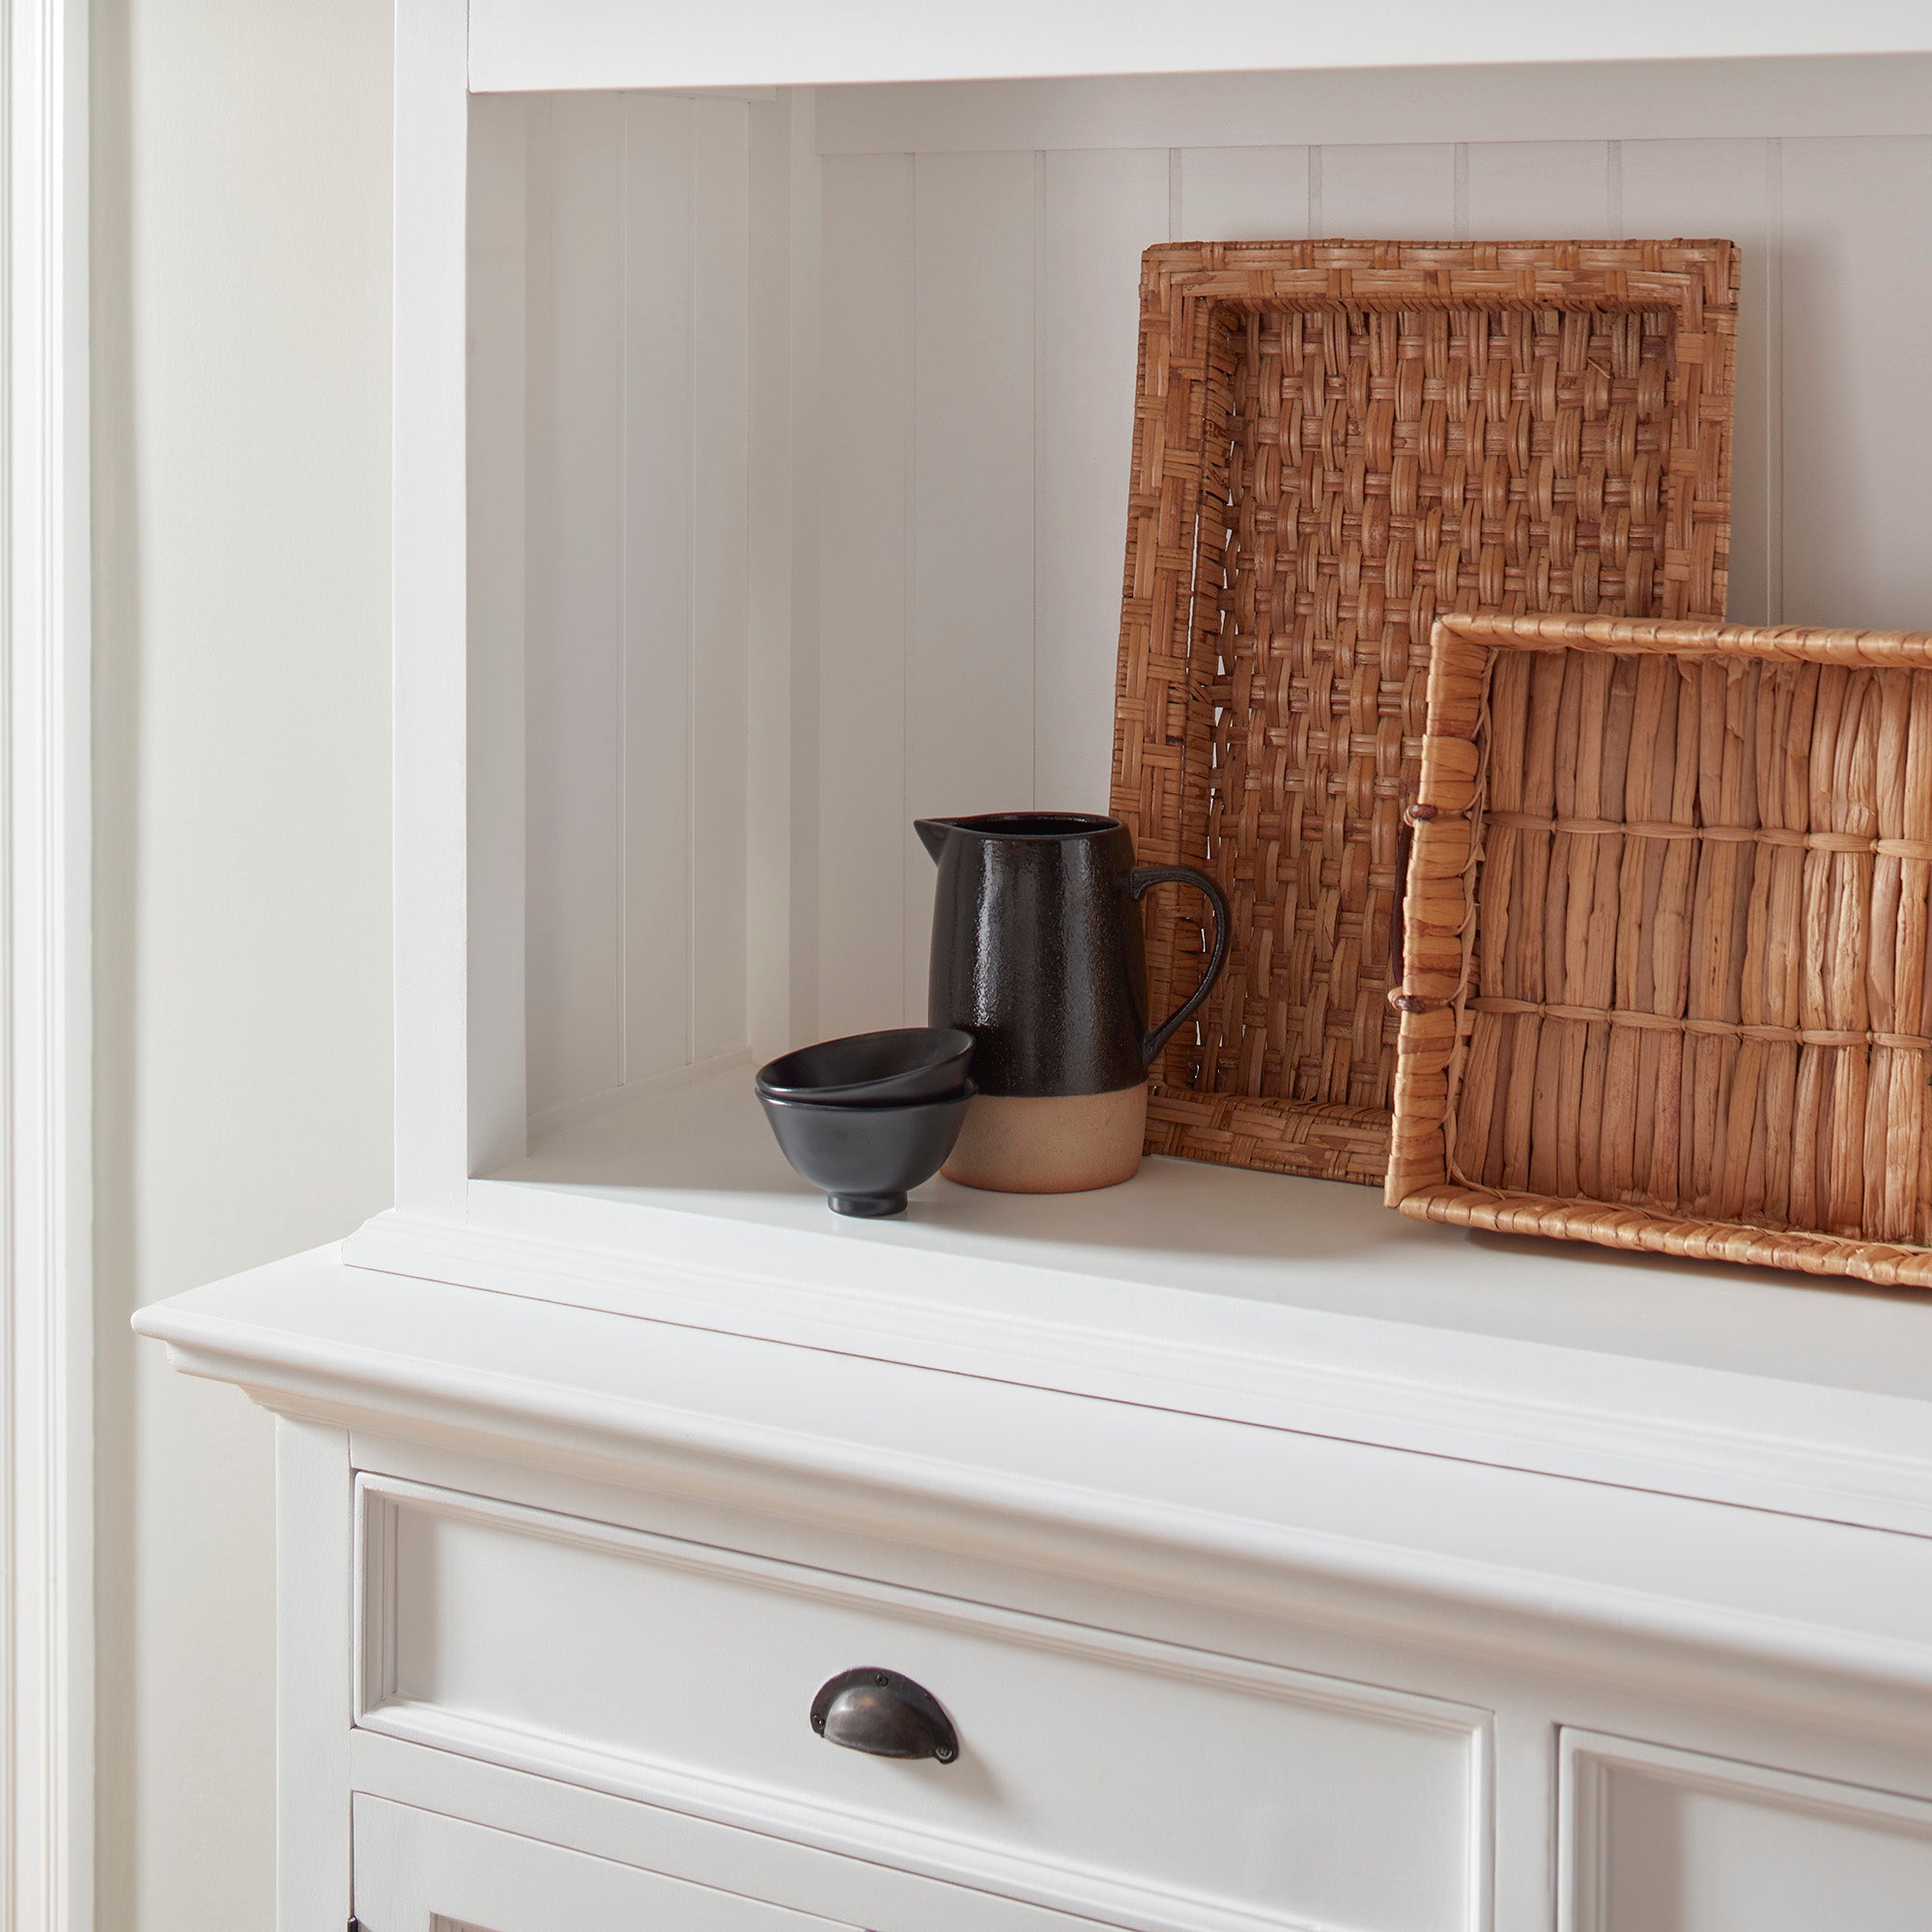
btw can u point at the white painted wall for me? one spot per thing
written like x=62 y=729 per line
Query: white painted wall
x=242 y=900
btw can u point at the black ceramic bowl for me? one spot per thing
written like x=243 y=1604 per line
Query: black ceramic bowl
x=866 y=1157
x=871 y=1069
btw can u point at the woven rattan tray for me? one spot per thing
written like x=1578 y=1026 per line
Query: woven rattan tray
x=1333 y=442
x=1666 y=929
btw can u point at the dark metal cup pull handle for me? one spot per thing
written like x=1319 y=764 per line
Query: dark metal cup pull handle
x=1217 y=956
x=884 y=1715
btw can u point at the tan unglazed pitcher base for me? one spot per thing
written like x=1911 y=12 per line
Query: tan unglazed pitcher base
x=1061 y=1144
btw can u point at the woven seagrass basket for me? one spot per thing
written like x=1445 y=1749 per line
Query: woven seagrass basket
x=1665 y=965
x=1333 y=442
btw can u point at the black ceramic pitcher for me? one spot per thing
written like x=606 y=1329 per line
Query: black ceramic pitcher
x=1036 y=948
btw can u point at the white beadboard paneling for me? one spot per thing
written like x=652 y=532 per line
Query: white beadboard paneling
x=575 y=636
x=1857 y=408
x=1243 y=194
x=865 y=516
x=636 y=672
x=975 y=387
x=717 y=792
x=782 y=489
x=1404 y=193
x=657 y=708
x=1531 y=190
x=1725 y=188
x=1102 y=210
x=970 y=670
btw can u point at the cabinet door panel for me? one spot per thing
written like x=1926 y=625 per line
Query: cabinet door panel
x=418 y=1872
x=1662 y=1841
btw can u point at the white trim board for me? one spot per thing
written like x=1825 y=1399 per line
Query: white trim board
x=46 y=1652
x=1836 y=1454
x=1610 y=100
x=584 y=43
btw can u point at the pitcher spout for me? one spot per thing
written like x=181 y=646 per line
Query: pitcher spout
x=933 y=832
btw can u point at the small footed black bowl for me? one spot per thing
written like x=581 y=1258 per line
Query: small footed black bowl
x=873 y=1069
x=866 y=1157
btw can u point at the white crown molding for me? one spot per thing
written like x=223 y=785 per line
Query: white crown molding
x=45 y=1357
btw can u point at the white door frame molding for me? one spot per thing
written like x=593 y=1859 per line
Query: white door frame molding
x=47 y=1613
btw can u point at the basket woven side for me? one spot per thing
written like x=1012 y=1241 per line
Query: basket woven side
x=1668 y=920
x=1333 y=442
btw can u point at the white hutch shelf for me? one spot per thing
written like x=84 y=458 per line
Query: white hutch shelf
x=762 y=398
x=1302 y=1304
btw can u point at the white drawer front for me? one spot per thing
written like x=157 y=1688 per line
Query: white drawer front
x=1134 y=1781
x=1662 y=1841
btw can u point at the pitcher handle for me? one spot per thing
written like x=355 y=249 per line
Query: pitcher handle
x=1217 y=957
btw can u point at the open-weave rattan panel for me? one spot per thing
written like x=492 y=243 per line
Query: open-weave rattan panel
x=1667 y=925
x=1334 y=442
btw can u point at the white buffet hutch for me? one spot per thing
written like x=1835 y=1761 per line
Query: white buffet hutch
x=762 y=397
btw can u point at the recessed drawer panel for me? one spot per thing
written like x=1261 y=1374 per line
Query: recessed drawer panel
x=1134 y=1781
x=1663 y=1841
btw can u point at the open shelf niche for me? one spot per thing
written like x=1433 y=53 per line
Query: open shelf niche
x=792 y=508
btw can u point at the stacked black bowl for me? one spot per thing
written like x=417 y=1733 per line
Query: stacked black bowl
x=870 y=1116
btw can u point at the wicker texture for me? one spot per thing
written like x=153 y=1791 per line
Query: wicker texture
x=1333 y=442
x=1667 y=927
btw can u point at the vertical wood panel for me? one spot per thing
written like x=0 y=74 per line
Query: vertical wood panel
x=969 y=739
x=497 y=476
x=429 y=340
x=1523 y=1814
x=782 y=490
x=1405 y=194
x=1243 y=194
x=1857 y=408
x=655 y=403
x=866 y=418
x=1101 y=208
x=1533 y=190
x=719 y=231
x=1722 y=189
x=576 y=584
x=314 y=1697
